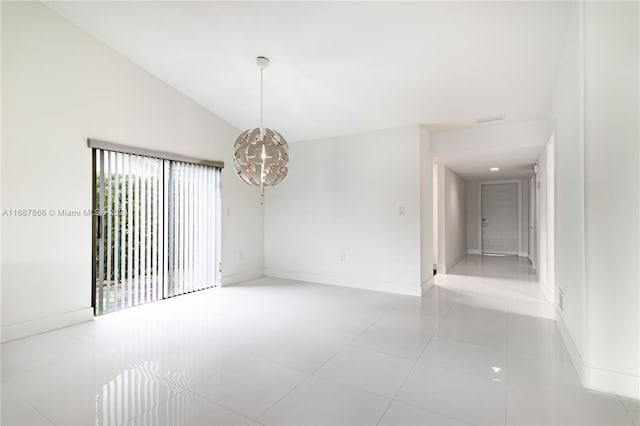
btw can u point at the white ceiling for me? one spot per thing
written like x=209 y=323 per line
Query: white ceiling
x=340 y=68
x=514 y=148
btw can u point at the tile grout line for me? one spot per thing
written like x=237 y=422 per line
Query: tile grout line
x=314 y=371
x=214 y=402
x=507 y=351
x=57 y=359
x=220 y=405
x=387 y=397
x=506 y=373
x=378 y=351
x=435 y=331
x=626 y=410
x=290 y=391
x=141 y=413
x=305 y=378
x=439 y=413
x=37 y=410
x=429 y=410
x=369 y=327
x=349 y=344
x=189 y=389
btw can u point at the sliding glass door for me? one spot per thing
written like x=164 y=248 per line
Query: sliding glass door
x=191 y=232
x=156 y=229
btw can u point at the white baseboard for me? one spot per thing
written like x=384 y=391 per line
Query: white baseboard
x=428 y=284
x=571 y=346
x=241 y=276
x=520 y=253
x=450 y=265
x=547 y=290
x=365 y=284
x=41 y=325
x=611 y=381
x=597 y=378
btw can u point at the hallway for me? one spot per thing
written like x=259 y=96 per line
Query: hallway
x=478 y=348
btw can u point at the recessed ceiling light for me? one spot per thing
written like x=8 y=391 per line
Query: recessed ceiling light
x=494 y=169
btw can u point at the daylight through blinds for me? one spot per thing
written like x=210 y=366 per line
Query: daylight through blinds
x=156 y=229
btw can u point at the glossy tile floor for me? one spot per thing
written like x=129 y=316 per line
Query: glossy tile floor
x=479 y=348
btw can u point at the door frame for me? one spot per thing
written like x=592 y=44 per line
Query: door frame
x=498 y=182
x=532 y=227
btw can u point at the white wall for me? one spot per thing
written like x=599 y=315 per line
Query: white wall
x=426 y=210
x=532 y=222
x=59 y=87
x=454 y=218
x=440 y=200
x=596 y=112
x=541 y=216
x=336 y=218
x=612 y=183
x=435 y=217
x=473 y=216
x=544 y=223
x=525 y=220
x=569 y=147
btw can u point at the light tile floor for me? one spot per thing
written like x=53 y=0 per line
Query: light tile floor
x=479 y=348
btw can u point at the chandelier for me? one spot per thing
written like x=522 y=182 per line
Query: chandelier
x=261 y=154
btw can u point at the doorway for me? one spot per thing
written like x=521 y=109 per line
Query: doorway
x=499 y=218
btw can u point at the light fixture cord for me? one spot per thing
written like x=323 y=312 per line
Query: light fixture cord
x=262 y=138
x=261 y=127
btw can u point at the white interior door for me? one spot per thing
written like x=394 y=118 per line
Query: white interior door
x=500 y=218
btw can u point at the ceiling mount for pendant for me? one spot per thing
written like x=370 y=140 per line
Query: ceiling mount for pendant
x=262 y=61
x=261 y=154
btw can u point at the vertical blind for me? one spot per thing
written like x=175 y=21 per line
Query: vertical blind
x=156 y=228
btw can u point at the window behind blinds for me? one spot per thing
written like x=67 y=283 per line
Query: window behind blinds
x=156 y=229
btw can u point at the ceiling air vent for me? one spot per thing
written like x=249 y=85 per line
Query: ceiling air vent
x=489 y=119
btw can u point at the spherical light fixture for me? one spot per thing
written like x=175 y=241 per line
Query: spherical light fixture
x=261 y=154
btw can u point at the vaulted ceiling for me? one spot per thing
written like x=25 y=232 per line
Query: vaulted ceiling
x=339 y=68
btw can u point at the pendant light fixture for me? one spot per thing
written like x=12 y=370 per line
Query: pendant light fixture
x=261 y=154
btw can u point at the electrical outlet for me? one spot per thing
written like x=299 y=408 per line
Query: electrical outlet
x=401 y=211
x=343 y=257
